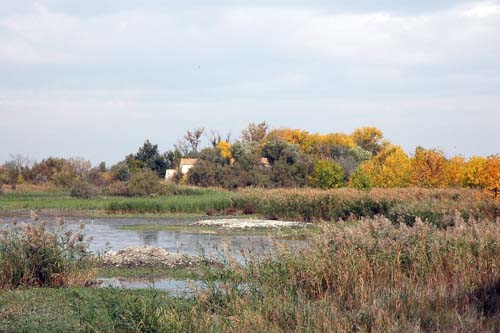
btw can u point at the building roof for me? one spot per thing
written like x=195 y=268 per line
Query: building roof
x=188 y=161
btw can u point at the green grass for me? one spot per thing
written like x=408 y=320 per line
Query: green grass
x=198 y=202
x=217 y=201
x=91 y=310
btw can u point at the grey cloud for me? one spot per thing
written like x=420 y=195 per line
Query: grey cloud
x=85 y=76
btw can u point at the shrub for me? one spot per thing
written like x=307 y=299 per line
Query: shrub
x=118 y=188
x=143 y=183
x=327 y=174
x=32 y=256
x=121 y=172
x=361 y=180
x=82 y=189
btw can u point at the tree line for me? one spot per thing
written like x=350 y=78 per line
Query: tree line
x=264 y=157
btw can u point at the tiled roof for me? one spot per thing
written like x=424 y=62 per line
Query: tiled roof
x=188 y=161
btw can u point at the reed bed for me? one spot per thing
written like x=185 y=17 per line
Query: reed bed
x=368 y=276
x=33 y=256
x=436 y=206
x=199 y=203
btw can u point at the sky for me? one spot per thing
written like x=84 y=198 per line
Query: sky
x=96 y=78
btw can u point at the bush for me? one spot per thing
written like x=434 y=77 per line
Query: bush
x=118 y=188
x=82 y=189
x=120 y=172
x=327 y=174
x=361 y=180
x=144 y=183
x=32 y=256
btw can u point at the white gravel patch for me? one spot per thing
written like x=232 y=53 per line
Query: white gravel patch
x=251 y=223
x=148 y=256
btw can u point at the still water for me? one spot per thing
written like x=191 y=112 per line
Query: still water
x=105 y=235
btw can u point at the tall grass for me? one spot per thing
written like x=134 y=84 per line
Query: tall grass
x=30 y=255
x=199 y=203
x=437 y=206
x=371 y=276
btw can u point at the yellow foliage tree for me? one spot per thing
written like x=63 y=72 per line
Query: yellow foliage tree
x=368 y=138
x=429 y=168
x=291 y=135
x=316 y=144
x=225 y=149
x=491 y=175
x=389 y=168
x=474 y=171
x=321 y=144
x=455 y=171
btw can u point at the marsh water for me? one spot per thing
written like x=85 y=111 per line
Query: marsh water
x=107 y=234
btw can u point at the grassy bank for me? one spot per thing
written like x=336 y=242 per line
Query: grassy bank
x=436 y=206
x=170 y=204
x=92 y=310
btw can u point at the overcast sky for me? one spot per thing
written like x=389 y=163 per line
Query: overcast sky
x=95 y=78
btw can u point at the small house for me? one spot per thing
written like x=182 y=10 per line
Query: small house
x=184 y=166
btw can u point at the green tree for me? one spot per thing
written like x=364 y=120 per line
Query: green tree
x=145 y=182
x=327 y=174
x=360 y=180
x=120 y=171
x=148 y=157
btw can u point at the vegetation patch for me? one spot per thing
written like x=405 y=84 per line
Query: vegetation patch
x=281 y=233
x=30 y=255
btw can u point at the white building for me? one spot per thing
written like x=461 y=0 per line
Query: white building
x=184 y=166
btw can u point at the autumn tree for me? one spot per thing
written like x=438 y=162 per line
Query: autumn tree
x=225 y=149
x=491 y=175
x=368 y=138
x=323 y=145
x=254 y=133
x=474 y=172
x=389 y=168
x=429 y=168
x=455 y=171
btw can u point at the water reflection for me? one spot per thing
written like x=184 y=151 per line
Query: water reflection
x=106 y=235
x=149 y=237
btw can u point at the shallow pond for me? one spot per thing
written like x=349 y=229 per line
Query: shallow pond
x=107 y=235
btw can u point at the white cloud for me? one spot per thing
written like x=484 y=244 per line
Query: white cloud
x=301 y=65
x=482 y=10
